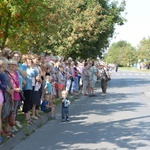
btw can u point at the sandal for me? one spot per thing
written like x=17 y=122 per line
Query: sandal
x=4 y=134
x=9 y=134
x=29 y=122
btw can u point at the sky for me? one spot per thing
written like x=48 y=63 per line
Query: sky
x=138 y=22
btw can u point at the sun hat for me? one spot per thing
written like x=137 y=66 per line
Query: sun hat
x=12 y=62
x=102 y=63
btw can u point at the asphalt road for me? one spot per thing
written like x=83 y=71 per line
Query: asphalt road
x=120 y=120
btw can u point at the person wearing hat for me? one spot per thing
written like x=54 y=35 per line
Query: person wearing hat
x=8 y=94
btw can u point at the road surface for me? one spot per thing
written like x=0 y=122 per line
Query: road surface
x=120 y=120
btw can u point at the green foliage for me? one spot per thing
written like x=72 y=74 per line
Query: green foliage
x=121 y=53
x=70 y=28
x=143 y=51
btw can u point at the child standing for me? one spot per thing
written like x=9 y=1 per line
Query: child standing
x=36 y=97
x=65 y=106
x=49 y=92
x=48 y=86
x=47 y=107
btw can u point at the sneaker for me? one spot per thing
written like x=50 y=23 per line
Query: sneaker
x=103 y=94
x=18 y=124
x=15 y=129
x=63 y=120
x=34 y=117
x=68 y=120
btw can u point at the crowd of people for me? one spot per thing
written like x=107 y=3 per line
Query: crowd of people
x=33 y=83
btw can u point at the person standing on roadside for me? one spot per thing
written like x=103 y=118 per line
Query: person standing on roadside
x=116 y=68
x=16 y=55
x=8 y=101
x=85 y=78
x=103 y=76
x=65 y=106
x=14 y=78
x=93 y=78
x=28 y=88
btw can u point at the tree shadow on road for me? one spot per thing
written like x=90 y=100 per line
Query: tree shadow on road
x=93 y=128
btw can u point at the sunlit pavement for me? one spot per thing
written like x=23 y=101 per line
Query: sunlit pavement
x=119 y=120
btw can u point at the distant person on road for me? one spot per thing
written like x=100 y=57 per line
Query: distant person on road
x=104 y=75
x=65 y=106
x=85 y=78
x=116 y=68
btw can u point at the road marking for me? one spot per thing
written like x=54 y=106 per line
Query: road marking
x=130 y=74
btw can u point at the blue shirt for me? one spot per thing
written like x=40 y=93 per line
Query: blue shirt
x=44 y=104
x=65 y=104
x=49 y=87
x=30 y=74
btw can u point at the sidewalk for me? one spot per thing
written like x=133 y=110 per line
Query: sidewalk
x=28 y=130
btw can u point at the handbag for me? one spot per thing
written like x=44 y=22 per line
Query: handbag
x=22 y=95
x=11 y=119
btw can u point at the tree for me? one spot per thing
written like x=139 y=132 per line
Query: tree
x=121 y=53
x=72 y=28
x=143 y=50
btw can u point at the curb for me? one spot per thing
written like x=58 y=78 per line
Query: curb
x=27 y=131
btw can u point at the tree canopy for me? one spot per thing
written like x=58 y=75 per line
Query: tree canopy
x=121 y=53
x=73 y=28
x=143 y=50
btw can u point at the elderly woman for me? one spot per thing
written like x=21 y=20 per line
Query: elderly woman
x=16 y=55
x=14 y=78
x=8 y=94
